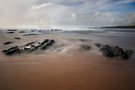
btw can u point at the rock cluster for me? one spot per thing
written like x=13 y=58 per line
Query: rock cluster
x=115 y=51
x=29 y=47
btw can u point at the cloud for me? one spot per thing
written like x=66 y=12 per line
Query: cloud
x=125 y=1
x=44 y=13
x=42 y=5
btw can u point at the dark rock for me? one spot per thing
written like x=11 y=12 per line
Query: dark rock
x=30 y=34
x=98 y=45
x=29 y=47
x=116 y=51
x=45 y=46
x=17 y=38
x=4 y=51
x=127 y=54
x=48 y=45
x=107 y=51
x=40 y=31
x=32 y=30
x=52 y=42
x=21 y=49
x=85 y=47
x=22 y=32
x=7 y=43
x=12 y=50
x=83 y=40
x=45 y=41
x=11 y=29
x=10 y=32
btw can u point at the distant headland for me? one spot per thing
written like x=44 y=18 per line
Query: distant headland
x=125 y=27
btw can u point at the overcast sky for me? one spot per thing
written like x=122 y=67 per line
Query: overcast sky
x=45 y=13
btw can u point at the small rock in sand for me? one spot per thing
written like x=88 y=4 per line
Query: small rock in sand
x=10 y=32
x=7 y=43
x=17 y=38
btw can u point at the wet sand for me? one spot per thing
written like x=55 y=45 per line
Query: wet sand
x=66 y=69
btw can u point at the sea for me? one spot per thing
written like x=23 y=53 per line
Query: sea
x=124 y=38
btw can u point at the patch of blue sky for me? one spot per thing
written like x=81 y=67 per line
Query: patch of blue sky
x=123 y=8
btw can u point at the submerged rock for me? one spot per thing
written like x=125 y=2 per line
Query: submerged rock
x=85 y=47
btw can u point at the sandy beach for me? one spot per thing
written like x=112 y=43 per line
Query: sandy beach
x=64 y=66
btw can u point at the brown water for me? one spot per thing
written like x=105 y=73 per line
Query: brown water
x=65 y=68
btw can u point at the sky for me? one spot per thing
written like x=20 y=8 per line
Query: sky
x=66 y=13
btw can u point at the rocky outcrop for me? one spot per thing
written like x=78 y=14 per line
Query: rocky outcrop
x=116 y=51
x=29 y=47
